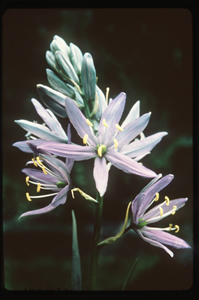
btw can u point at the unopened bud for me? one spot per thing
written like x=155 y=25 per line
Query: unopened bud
x=88 y=76
x=57 y=84
x=76 y=58
x=66 y=69
x=52 y=99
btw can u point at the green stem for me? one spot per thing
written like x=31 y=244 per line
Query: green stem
x=95 y=253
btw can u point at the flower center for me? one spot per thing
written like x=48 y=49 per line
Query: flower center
x=101 y=150
x=45 y=186
x=141 y=223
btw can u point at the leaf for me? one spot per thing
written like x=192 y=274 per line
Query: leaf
x=112 y=239
x=130 y=274
x=76 y=280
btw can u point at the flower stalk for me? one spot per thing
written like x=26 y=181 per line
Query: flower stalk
x=96 y=237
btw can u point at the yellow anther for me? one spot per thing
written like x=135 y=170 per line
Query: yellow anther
x=38 y=160
x=119 y=127
x=174 y=208
x=156 y=197
x=177 y=228
x=85 y=139
x=161 y=211
x=28 y=197
x=27 y=179
x=99 y=151
x=72 y=192
x=170 y=227
x=38 y=187
x=44 y=170
x=104 y=123
x=167 y=200
x=89 y=122
x=115 y=143
x=34 y=162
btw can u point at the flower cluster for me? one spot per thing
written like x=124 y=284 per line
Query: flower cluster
x=73 y=94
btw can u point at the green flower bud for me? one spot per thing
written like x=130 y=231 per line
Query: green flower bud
x=76 y=58
x=58 y=44
x=101 y=103
x=50 y=58
x=52 y=99
x=79 y=100
x=88 y=76
x=66 y=69
x=57 y=84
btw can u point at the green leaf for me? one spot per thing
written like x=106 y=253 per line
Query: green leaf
x=76 y=278
x=130 y=274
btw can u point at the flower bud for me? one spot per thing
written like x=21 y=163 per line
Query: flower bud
x=57 y=84
x=50 y=58
x=102 y=103
x=52 y=99
x=58 y=44
x=79 y=100
x=76 y=58
x=88 y=76
x=66 y=69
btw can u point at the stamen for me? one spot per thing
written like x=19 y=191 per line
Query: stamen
x=170 y=227
x=99 y=151
x=161 y=211
x=38 y=187
x=27 y=180
x=89 y=122
x=167 y=200
x=44 y=170
x=119 y=127
x=28 y=197
x=41 y=196
x=115 y=143
x=107 y=93
x=156 y=197
x=38 y=160
x=72 y=192
x=177 y=228
x=174 y=207
x=85 y=139
x=35 y=164
x=104 y=123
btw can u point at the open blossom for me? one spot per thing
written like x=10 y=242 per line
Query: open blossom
x=141 y=216
x=54 y=176
x=38 y=133
x=106 y=144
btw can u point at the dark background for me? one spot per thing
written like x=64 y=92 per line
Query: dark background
x=146 y=53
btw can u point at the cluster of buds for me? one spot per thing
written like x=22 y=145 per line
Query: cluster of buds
x=72 y=74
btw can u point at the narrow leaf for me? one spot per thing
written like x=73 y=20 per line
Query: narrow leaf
x=76 y=280
x=130 y=274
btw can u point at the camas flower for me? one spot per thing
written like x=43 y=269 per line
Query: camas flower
x=38 y=133
x=141 y=217
x=103 y=146
x=54 y=176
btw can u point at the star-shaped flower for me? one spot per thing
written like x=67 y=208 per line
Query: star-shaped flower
x=104 y=145
x=54 y=175
x=141 y=217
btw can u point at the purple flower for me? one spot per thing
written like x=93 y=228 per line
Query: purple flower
x=141 y=217
x=53 y=176
x=38 y=133
x=106 y=144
